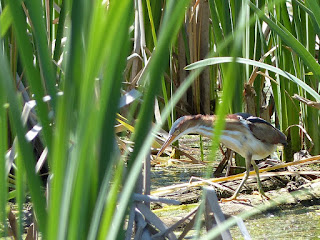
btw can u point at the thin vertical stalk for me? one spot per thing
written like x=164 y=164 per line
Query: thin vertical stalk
x=59 y=33
x=153 y=30
x=20 y=192
x=3 y=149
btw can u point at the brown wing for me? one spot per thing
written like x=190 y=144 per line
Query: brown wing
x=265 y=132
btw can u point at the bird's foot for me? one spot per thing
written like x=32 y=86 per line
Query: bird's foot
x=262 y=195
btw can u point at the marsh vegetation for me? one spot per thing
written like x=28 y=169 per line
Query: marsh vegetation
x=88 y=90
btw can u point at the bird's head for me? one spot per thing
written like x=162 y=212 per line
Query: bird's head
x=185 y=125
x=176 y=131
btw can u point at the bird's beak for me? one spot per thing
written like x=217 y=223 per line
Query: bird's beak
x=166 y=144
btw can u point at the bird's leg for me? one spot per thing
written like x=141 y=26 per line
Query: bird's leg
x=258 y=180
x=244 y=179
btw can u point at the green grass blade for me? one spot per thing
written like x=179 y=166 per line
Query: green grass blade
x=40 y=35
x=153 y=30
x=64 y=166
x=59 y=35
x=111 y=202
x=34 y=184
x=218 y=60
x=20 y=199
x=172 y=20
x=223 y=9
x=62 y=180
x=3 y=150
x=102 y=35
x=5 y=20
x=287 y=37
x=315 y=18
x=101 y=200
x=33 y=75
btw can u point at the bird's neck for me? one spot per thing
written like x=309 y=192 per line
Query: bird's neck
x=204 y=124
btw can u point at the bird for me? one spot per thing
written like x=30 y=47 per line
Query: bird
x=251 y=137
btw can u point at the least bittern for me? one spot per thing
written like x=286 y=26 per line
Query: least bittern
x=252 y=137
